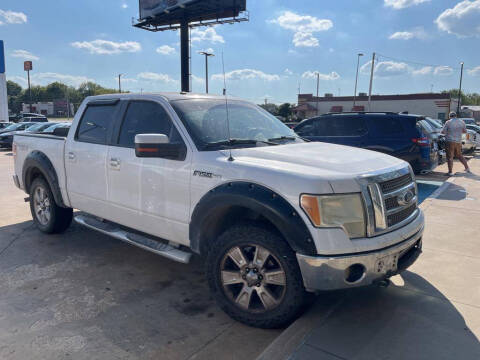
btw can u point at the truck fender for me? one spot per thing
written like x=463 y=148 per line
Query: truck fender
x=37 y=163
x=230 y=202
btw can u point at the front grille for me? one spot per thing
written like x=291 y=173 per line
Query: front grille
x=398 y=217
x=394 y=184
x=391 y=203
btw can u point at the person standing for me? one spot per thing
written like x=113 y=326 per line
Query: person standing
x=453 y=131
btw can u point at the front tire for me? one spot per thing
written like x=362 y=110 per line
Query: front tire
x=47 y=215
x=254 y=276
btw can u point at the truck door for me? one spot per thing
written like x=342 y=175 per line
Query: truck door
x=85 y=158
x=149 y=194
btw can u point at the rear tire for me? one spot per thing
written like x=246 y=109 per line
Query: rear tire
x=265 y=287
x=47 y=215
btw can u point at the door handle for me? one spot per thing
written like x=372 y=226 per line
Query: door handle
x=71 y=156
x=115 y=163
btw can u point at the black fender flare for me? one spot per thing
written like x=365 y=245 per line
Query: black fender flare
x=254 y=197
x=38 y=162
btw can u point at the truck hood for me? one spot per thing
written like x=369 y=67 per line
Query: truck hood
x=320 y=159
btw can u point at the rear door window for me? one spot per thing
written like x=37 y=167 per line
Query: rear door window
x=95 y=123
x=388 y=126
x=342 y=125
x=307 y=129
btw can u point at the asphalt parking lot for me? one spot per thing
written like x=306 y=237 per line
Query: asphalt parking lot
x=83 y=295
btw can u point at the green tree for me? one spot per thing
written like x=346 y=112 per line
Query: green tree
x=285 y=110
x=14 y=96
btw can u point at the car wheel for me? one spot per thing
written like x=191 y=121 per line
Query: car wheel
x=254 y=276
x=47 y=215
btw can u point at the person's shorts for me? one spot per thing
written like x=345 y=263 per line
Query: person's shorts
x=453 y=149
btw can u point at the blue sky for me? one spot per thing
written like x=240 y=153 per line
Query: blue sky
x=420 y=42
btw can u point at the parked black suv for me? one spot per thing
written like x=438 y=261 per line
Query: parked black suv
x=399 y=135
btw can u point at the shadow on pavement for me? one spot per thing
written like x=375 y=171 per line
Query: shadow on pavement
x=85 y=295
x=393 y=323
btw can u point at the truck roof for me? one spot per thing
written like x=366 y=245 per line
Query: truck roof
x=169 y=96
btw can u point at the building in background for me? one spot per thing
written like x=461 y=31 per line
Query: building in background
x=3 y=86
x=471 y=111
x=57 y=108
x=433 y=105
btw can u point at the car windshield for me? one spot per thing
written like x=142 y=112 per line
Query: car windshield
x=13 y=127
x=37 y=127
x=434 y=123
x=53 y=127
x=247 y=125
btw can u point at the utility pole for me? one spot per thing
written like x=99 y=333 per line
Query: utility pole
x=119 y=83
x=371 y=84
x=207 y=55
x=460 y=91
x=356 y=79
x=318 y=85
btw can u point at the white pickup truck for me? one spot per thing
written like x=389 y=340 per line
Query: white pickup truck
x=276 y=218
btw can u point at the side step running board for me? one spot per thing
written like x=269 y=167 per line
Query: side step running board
x=141 y=241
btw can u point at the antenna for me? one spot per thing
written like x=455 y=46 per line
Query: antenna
x=230 y=158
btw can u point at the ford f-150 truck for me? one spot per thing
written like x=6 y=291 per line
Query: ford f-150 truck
x=276 y=217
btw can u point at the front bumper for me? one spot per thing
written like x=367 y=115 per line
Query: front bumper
x=361 y=269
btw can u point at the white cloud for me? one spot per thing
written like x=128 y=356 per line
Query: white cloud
x=166 y=50
x=198 y=79
x=327 y=77
x=49 y=77
x=124 y=6
x=401 y=4
x=105 y=47
x=24 y=54
x=426 y=70
x=127 y=80
x=418 y=33
x=443 y=70
x=303 y=26
x=12 y=17
x=475 y=71
x=246 y=74
x=151 y=76
x=463 y=20
x=301 y=39
x=208 y=35
x=386 y=68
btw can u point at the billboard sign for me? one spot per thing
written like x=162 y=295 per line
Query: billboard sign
x=3 y=86
x=151 y=8
x=27 y=66
x=164 y=12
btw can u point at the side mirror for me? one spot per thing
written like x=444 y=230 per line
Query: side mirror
x=159 y=146
x=62 y=131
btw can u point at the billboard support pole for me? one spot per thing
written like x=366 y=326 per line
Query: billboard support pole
x=185 y=56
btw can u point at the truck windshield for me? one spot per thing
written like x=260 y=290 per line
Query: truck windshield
x=249 y=125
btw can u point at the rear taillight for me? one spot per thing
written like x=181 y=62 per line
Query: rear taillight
x=468 y=136
x=423 y=141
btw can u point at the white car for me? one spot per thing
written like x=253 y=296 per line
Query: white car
x=276 y=217
x=470 y=141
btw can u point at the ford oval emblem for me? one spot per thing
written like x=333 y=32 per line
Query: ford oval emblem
x=406 y=197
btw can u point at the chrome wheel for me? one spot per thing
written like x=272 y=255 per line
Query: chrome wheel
x=253 y=278
x=41 y=205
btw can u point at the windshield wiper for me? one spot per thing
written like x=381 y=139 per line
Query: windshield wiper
x=283 y=138
x=233 y=142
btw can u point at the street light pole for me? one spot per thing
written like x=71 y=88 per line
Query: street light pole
x=207 y=55
x=371 y=84
x=120 y=83
x=356 y=79
x=318 y=84
x=460 y=90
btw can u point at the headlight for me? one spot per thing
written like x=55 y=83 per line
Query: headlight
x=345 y=211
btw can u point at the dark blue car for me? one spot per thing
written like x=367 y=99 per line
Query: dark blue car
x=398 y=135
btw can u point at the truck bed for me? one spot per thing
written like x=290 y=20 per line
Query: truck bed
x=50 y=145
